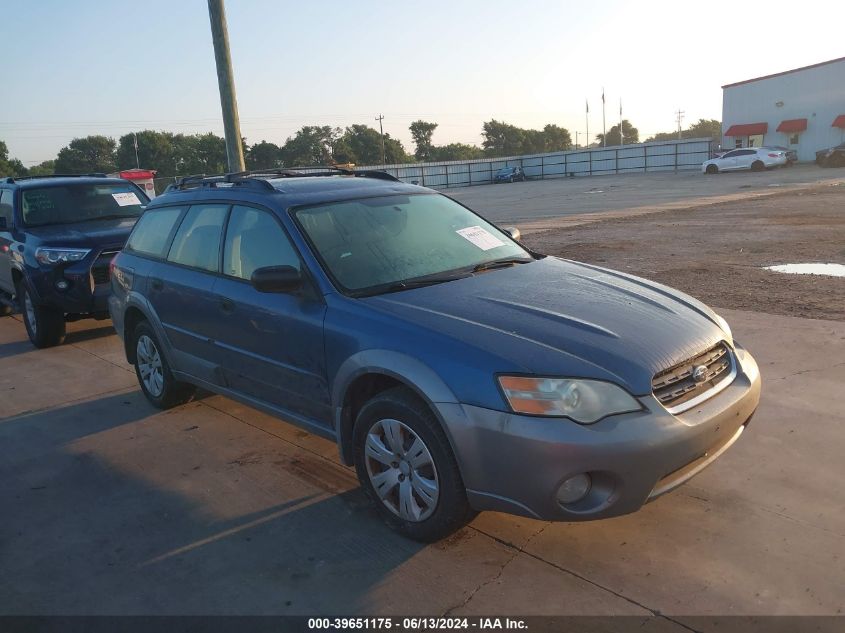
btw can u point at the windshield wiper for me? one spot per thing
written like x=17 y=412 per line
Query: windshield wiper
x=107 y=217
x=413 y=283
x=500 y=263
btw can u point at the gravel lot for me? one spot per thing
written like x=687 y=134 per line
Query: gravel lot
x=716 y=251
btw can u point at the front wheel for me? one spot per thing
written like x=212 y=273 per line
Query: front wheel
x=405 y=464
x=711 y=169
x=44 y=326
x=154 y=375
x=757 y=165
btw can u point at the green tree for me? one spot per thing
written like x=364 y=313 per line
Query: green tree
x=421 y=132
x=312 y=145
x=155 y=151
x=703 y=128
x=361 y=144
x=45 y=168
x=631 y=134
x=199 y=154
x=263 y=155
x=10 y=166
x=456 y=151
x=502 y=139
x=86 y=155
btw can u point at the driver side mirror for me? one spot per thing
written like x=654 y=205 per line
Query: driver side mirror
x=514 y=232
x=276 y=279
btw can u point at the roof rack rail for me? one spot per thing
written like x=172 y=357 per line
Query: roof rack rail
x=258 y=177
x=11 y=179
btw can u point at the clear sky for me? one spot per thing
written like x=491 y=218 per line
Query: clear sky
x=79 y=67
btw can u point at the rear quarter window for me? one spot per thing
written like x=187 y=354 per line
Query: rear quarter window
x=153 y=231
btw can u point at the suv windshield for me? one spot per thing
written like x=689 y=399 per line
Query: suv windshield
x=83 y=202
x=373 y=245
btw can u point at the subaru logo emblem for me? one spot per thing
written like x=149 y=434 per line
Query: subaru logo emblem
x=699 y=373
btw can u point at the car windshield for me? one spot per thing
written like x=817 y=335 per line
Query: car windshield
x=83 y=202
x=506 y=171
x=375 y=245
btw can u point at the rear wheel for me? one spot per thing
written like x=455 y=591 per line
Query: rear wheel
x=5 y=310
x=712 y=169
x=758 y=165
x=44 y=326
x=154 y=375
x=405 y=464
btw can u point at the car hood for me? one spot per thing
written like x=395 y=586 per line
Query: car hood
x=92 y=234
x=559 y=317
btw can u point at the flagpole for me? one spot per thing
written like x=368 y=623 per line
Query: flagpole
x=621 y=133
x=587 y=117
x=603 y=123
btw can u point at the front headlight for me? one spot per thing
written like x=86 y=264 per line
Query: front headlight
x=584 y=401
x=53 y=256
x=725 y=327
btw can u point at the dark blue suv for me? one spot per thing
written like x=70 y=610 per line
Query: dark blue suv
x=58 y=235
x=456 y=369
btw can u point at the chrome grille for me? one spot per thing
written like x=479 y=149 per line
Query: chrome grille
x=678 y=386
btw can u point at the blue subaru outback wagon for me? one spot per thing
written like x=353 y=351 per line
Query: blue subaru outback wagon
x=455 y=368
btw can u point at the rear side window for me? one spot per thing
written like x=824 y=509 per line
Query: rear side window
x=197 y=242
x=254 y=240
x=153 y=231
x=6 y=206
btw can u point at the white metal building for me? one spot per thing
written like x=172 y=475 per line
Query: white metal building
x=803 y=109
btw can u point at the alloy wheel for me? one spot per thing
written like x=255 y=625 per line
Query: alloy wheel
x=401 y=470
x=149 y=366
x=29 y=311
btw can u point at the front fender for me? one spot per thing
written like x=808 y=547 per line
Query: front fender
x=139 y=302
x=408 y=370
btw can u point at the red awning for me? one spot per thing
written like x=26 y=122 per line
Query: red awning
x=747 y=129
x=791 y=126
x=839 y=121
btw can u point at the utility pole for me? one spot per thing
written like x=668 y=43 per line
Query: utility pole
x=587 y=119
x=226 y=83
x=380 y=118
x=603 y=124
x=679 y=117
x=135 y=142
x=576 y=139
x=621 y=132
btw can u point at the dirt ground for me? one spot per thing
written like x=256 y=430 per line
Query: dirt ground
x=716 y=252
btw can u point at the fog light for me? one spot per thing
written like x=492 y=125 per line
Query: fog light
x=574 y=489
x=62 y=284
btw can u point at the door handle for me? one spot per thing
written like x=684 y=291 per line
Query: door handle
x=227 y=305
x=156 y=284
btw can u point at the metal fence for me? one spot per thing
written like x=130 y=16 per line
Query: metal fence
x=597 y=161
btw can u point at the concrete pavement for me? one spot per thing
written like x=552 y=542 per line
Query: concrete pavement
x=112 y=507
x=538 y=201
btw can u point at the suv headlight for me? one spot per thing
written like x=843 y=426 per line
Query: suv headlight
x=53 y=256
x=584 y=401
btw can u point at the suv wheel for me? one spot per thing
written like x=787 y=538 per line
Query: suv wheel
x=406 y=466
x=44 y=326
x=154 y=375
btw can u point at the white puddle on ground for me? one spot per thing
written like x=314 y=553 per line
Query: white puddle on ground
x=831 y=270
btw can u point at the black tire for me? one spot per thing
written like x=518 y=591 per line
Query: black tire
x=451 y=509
x=711 y=169
x=5 y=310
x=758 y=165
x=172 y=392
x=44 y=326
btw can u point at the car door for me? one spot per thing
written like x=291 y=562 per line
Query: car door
x=6 y=240
x=744 y=158
x=180 y=289
x=269 y=344
x=727 y=162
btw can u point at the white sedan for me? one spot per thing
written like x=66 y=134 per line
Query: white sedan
x=753 y=158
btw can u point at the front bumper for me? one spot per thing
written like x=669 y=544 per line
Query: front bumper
x=514 y=463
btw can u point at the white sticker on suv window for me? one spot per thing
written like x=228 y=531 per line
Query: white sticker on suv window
x=482 y=238
x=125 y=199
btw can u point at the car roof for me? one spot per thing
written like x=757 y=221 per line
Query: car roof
x=58 y=181
x=292 y=191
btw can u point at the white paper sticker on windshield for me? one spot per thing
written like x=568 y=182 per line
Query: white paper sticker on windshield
x=482 y=238
x=125 y=199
